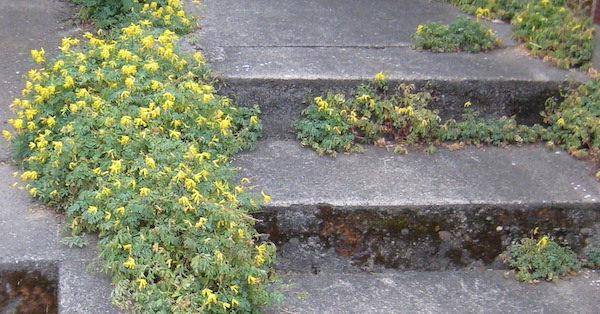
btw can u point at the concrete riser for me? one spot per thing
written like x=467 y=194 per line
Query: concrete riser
x=429 y=238
x=282 y=101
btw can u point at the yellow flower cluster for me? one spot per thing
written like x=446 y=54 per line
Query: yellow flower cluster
x=482 y=13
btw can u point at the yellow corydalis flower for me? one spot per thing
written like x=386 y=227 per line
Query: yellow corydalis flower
x=126 y=55
x=259 y=259
x=261 y=248
x=16 y=123
x=210 y=296
x=58 y=65
x=38 y=55
x=482 y=13
x=129 y=69
x=207 y=98
x=201 y=222
x=543 y=242
x=120 y=210
x=218 y=256
x=380 y=77
x=363 y=98
x=561 y=122
x=132 y=30
x=199 y=58
x=185 y=202
x=6 y=134
x=266 y=198
x=155 y=85
x=323 y=105
x=252 y=280
x=226 y=306
x=69 y=82
x=142 y=283
x=126 y=121
x=82 y=93
x=146 y=23
x=105 y=53
x=34 y=75
x=124 y=140
x=190 y=184
x=92 y=210
x=115 y=166
x=408 y=111
x=151 y=66
x=145 y=191
x=150 y=163
x=147 y=42
x=30 y=114
x=419 y=29
x=130 y=82
x=179 y=176
x=130 y=263
x=27 y=175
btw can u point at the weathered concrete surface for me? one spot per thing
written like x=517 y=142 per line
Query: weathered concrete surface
x=278 y=54
x=526 y=175
x=437 y=292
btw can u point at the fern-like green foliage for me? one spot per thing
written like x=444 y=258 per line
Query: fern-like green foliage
x=559 y=31
x=541 y=259
x=574 y=123
x=464 y=34
x=399 y=117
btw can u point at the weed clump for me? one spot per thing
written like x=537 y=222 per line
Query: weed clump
x=541 y=259
x=464 y=34
x=560 y=31
x=398 y=118
x=594 y=257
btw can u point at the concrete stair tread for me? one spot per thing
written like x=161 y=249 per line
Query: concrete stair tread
x=477 y=291
x=531 y=175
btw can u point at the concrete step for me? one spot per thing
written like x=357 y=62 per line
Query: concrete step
x=446 y=210
x=280 y=53
x=479 y=291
